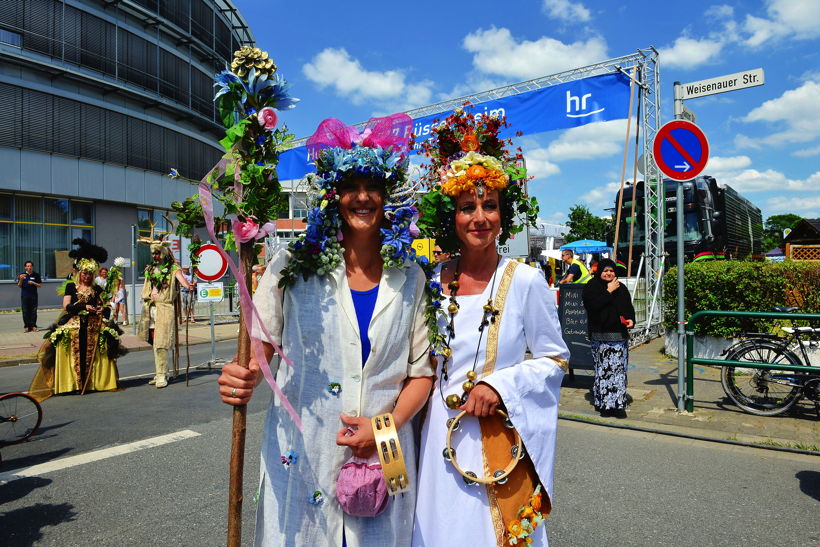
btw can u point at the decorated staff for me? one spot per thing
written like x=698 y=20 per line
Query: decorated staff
x=245 y=183
x=488 y=438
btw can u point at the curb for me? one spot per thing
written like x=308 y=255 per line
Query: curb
x=31 y=359
x=685 y=433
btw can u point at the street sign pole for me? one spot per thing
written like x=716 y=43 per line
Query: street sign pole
x=213 y=337
x=681 y=311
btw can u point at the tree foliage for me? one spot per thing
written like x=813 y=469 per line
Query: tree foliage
x=773 y=231
x=584 y=225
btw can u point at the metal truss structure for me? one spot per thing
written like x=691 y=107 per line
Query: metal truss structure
x=647 y=80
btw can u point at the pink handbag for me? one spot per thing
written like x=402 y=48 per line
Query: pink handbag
x=360 y=488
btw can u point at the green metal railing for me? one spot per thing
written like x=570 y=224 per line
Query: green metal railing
x=691 y=360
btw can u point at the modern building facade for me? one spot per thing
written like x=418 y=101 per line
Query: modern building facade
x=99 y=101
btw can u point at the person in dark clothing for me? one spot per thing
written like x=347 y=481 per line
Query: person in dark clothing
x=29 y=281
x=609 y=316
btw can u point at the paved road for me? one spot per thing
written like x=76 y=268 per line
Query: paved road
x=613 y=487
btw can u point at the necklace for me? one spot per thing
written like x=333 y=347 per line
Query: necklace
x=453 y=401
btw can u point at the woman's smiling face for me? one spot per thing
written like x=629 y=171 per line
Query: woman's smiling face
x=361 y=204
x=478 y=219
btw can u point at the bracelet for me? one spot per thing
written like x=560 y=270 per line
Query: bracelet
x=390 y=454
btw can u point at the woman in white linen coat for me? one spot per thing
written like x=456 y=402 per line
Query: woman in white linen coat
x=350 y=317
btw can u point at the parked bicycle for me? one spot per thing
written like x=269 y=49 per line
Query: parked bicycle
x=769 y=392
x=20 y=417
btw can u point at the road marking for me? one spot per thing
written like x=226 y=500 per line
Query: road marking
x=95 y=455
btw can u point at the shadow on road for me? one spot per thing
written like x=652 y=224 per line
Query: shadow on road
x=21 y=488
x=809 y=483
x=23 y=526
x=34 y=459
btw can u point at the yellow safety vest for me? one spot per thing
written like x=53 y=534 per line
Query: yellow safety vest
x=585 y=275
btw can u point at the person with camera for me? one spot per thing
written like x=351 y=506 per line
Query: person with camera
x=610 y=315
x=29 y=281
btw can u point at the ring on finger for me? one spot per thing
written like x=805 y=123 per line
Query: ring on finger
x=233 y=392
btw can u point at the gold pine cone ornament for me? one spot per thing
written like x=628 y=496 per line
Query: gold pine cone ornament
x=248 y=57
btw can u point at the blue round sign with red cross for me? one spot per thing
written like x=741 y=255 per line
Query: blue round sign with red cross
x=681 y=150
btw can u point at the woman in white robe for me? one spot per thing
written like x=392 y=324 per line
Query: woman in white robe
x=498 y=310
x=335 y=385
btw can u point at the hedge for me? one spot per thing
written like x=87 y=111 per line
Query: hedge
x=741 y=286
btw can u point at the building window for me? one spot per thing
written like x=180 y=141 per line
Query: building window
x=298 y=203
x=11 y=38
x=40 y=228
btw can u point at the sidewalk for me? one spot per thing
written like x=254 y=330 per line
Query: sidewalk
x=18 y=347
x=652 y=378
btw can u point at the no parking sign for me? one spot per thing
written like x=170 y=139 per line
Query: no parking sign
x=681 y=150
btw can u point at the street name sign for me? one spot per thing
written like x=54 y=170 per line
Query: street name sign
x=722 y=84
x=680 y=150
x=210 y=292
x=212 y=264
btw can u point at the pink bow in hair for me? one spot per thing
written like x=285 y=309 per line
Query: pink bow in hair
x=390 y=132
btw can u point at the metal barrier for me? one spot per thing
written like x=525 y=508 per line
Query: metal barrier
x=691 y=361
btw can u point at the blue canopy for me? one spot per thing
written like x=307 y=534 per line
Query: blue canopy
x=587 y=246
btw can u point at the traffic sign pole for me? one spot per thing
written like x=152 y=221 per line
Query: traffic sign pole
x=679 y=252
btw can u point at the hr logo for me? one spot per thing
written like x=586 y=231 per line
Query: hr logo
x=576 y=105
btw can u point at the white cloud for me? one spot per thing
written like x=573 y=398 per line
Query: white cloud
x=808 y=207
x=796 y=108
x=717 y=164
x=807 y=152
x=602 y=196
x=595 y=140
x=798 y=19
x=567 y=11
x=335 y=68
x=688 y=53
x=539 y=165
x=752 y=180
x=496 y=51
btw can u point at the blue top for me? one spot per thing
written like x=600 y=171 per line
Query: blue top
x=365 y=303
x=27 y=289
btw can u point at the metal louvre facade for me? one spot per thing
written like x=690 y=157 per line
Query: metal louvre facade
x=99 y=101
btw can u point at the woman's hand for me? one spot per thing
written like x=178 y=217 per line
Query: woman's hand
x=630 y=323
x=358 y=435
x=236 y=383
x=482 y=402
x=613 y=285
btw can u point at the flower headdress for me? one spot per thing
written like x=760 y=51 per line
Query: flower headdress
x=465 y=154
x=342 y=153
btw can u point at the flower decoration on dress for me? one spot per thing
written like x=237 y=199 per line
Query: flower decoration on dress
x=334 y=388
x=316 y=498
x=527 y=520
x=289 y=458
x=341 y=154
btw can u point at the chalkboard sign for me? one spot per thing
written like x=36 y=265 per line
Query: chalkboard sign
x=573 y=318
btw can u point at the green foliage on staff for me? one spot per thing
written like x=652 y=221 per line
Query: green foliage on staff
x=741 y=286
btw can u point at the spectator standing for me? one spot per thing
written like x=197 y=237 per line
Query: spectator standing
x=102 y=278
x=29 y=281
x=440 y=256
x=120 y=303
x=188 y=296
x=577 y=271
x=609 y=316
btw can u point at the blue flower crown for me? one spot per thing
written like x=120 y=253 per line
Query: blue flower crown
x=319 y=249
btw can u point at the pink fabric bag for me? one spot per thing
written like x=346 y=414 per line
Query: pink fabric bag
x=360 y=488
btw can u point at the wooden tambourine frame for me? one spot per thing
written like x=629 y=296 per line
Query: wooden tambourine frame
x=390 y=454
x=518 y=448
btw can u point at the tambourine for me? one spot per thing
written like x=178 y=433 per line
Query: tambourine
x=500 y=475
x=390 y=454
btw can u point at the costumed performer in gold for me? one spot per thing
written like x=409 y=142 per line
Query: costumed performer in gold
x=486 y=312
x=80 y=351
x=159 y=295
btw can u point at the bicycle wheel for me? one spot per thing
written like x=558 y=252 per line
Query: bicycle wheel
x=764 y=392
x=20 y=416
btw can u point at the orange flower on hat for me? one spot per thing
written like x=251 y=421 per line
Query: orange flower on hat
x=469 y=143
x=476 y=172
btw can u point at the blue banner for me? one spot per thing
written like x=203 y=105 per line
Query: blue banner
x=593 y=99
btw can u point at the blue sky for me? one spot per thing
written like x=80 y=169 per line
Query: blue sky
x=353 y=60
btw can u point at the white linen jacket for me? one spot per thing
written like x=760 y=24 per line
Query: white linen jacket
x=315 y=321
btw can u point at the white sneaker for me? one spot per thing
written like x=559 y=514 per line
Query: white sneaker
x=152 y=381
x=161 y=382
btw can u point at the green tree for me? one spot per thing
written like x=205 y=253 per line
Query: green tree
x=584 y=225
x=773 y=232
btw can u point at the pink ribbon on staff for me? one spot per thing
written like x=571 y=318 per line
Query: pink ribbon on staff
x=390 y=132
x=246 y=302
